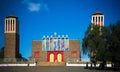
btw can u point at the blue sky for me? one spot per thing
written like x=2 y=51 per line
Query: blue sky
x=44 y=17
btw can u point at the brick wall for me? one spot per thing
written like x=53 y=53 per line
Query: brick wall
x=74 y=51
x=11 y=49
x=37 y=47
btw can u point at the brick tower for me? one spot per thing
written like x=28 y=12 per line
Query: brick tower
x=11 y=35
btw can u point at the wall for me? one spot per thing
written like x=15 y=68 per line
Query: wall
x=74 y=50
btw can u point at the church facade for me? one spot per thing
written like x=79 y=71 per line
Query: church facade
x=55 y=50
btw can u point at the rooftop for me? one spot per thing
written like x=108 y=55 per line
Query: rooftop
x=11 y=16
x=97 y=13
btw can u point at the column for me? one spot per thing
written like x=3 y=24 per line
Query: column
x=96 y=20
x=15 y=26
x=92 y=20
x=49 y=43
x=5 y=25
x=103 y=21
x=12 y=26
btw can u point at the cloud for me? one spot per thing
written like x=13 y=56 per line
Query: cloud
x=35 y=6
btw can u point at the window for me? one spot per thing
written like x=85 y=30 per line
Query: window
x=93 y=19
x=11 y=21
x=102 y=19
x=96 y=19
x=6 y=21
x=36 y=54
x=6 y=24
x=74 y=54
x=99 y=19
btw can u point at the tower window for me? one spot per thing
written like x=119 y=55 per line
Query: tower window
x=6 y=25
x=11 y=21
x=102 y=18
x=99 y=19
x=6 y=21
x=96 y=19
x=93 y=19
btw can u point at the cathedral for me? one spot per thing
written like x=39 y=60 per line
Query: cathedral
x=54 y=50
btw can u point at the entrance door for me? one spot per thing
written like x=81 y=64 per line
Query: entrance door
x=51 y=58
x=59 y=58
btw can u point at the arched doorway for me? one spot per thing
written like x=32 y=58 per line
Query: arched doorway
x=59 y=58
x=51 y=58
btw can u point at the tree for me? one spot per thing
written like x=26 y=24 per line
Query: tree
x=103 y=43
x=91 y=41
x=95 y=43
x=114 y=41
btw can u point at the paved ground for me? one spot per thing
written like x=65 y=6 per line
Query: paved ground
x=50 y=69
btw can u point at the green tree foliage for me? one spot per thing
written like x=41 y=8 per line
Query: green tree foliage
x=114 y=41
x=92 y=40
x=103 y=43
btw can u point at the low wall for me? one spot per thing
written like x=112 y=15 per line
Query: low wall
x=51 y=64
x=67 y=64
x=18 y=64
